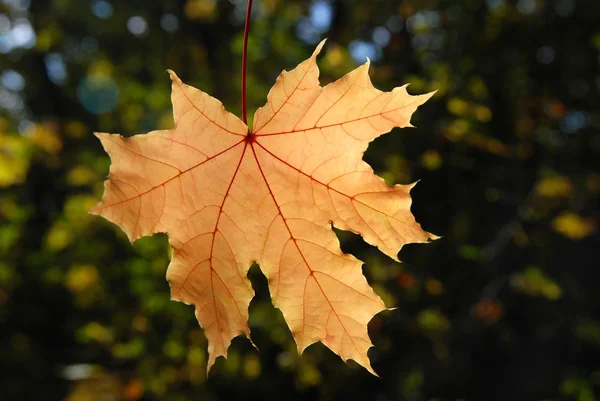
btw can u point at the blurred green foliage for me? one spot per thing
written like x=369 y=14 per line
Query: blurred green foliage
x=504 y=307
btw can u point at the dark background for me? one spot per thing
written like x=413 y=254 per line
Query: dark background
x=504 y=307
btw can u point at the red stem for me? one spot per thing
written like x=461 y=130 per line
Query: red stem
x=244 y=57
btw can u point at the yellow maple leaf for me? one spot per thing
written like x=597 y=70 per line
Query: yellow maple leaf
x=228 y=197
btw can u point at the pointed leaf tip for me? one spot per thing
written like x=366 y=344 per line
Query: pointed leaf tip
x=173 y=76
x=319 y=48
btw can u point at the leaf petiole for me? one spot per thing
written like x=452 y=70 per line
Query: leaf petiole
x=244 y=57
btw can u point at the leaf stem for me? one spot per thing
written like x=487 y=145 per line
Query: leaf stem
x=244 y=57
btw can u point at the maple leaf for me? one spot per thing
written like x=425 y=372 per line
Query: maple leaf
x=228 y=198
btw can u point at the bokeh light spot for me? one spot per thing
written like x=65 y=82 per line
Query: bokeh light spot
x=12 y=80
x=98 y=93
x=381 y=36
x=307 y=32
x=137 y=25
x=526 y=6
x=360 y=50
x=574 y=122
x=102 y=9
x=21 y=35
x=56 y=68
x=309 y=29
x=10 y=101
x=320 y=16
x=169 y=22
